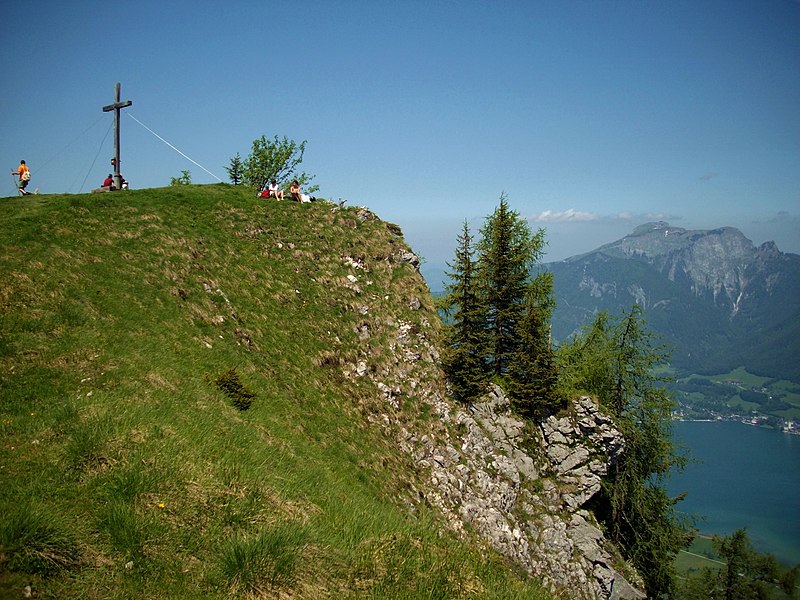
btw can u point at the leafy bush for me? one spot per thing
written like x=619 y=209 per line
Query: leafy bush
x=184 y=179
x=277 y=159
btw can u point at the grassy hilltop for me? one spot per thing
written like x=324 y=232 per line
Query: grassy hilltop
x=181 y=414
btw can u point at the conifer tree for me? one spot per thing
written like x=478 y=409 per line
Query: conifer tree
x=614 y=360
x=236 y=170
x=533 y=376
x=465 y=359
x=507 y=251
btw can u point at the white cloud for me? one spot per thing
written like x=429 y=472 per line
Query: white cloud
x=551 y=216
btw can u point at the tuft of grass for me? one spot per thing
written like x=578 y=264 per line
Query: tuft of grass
x=33 y=539
x=264 y=561
x=127 y=531
x=121 y=524
x=87 y=444
x=127 y=483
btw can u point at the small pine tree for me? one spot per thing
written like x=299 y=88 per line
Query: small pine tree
x=746 y=574
x=465 y=358
x=236 y=170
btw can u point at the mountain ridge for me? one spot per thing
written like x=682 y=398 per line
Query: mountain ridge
x=732 y=295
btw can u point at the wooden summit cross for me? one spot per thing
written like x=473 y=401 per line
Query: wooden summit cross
x=116 y=107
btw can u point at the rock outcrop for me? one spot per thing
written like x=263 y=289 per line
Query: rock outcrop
x=519 y=486
x=529 y=507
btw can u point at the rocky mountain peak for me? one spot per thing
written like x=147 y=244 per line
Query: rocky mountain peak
x=719 y=263
x=713 y=294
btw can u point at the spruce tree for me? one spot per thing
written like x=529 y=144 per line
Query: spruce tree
x=533 y=376
x=465 y=358
x=507 y=251
x=746 y=573
x=236 y=170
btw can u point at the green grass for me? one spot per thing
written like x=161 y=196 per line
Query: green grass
x=698 y=555
x=128 y=470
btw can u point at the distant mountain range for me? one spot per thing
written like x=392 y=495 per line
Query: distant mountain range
x=718 y=301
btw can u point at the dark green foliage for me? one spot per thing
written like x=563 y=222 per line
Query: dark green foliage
x=467 y=339
x=507 y=251
x=533 y=375
x=747 y=573
x=277 y=159
x=614 y=360
x=236 y=169
x=229 y=384
x=499 y=318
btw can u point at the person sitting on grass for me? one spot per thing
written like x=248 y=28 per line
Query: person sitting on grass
x=294 y=191
x=297 y=195
x=274 y=192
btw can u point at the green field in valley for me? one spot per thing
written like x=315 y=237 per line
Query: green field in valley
x=738 y=393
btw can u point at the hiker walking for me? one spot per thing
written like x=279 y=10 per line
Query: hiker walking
x=24 y=174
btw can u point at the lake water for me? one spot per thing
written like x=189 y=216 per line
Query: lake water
x=749 y=477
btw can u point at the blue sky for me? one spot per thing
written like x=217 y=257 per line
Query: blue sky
x=593 y=117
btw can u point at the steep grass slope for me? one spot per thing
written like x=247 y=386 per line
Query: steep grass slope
x=135 y=327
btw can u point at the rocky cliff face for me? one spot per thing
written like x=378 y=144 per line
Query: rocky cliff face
x=520 y=487
x=528 y=504
x=721 y=265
